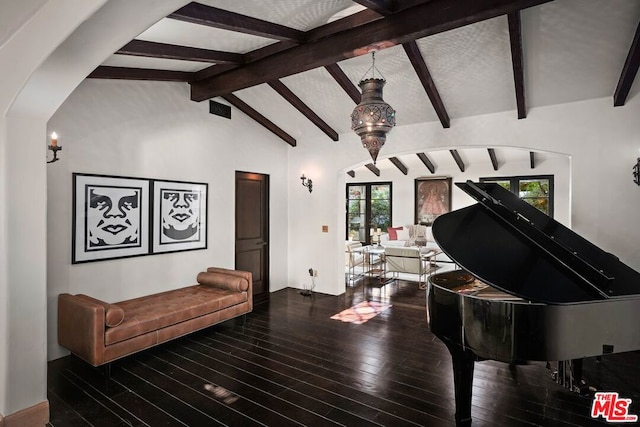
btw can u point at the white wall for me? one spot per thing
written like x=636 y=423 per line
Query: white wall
x=153 y=130
x=50 y=47
x=40 y=28
x=601 y=141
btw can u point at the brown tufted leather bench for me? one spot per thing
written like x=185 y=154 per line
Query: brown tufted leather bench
x=100 y=332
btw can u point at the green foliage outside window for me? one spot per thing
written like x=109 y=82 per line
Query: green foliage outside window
x=368 y=206
x=537 y=191
x=381 y=206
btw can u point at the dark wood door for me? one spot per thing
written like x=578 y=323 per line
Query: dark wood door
x=252 y=228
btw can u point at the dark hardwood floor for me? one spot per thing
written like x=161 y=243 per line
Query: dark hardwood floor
x=290 y=364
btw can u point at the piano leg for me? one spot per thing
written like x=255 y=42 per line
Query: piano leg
x=463 y=363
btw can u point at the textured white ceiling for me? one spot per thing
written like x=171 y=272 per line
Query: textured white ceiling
x=176 y=32
x=573 y=50
x=299 y=14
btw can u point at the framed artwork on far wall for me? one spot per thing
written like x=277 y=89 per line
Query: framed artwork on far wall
x=179 y=216
x=110 y=217
x=432 y=199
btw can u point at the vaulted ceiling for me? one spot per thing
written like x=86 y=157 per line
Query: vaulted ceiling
x=294 y=65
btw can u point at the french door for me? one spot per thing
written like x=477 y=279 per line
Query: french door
x=368 y=210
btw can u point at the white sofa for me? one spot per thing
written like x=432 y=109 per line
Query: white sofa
x=407 y=238
x=406 y=235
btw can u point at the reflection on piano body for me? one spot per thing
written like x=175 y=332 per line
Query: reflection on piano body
x=529 y=289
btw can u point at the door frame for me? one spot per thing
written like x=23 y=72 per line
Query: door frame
x=265 y=267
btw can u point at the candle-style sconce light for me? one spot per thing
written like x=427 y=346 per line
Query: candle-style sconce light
x=375 y=234
x=306 y=182
x=636 y=172
x=54 y=147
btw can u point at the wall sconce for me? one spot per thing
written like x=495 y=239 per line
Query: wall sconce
x=54 y=147
x=636 y=172
x=306 y=182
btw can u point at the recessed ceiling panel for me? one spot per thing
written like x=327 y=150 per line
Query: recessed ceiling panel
x=172 y=31
x=299 y=14
x=471 y=67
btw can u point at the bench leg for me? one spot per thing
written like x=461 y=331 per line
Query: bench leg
x=107 y=375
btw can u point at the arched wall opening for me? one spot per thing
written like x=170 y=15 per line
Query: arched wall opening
x=59 y=43
x=511 y=161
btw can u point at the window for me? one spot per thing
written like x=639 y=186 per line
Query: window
x=535 y=190
x=368 y=207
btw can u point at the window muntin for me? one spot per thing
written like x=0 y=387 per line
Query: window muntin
x=535 y=190
x=368 y=207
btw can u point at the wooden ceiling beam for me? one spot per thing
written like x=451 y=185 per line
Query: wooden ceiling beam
x=398 y=163
x=293 y=99
x=344 y=82
x=127 y=73
x=346 y=23
x=356 y=20
x=213 y=70
x=458 y=159
x=249 y=111
x=329 y=29
x=383 y=7
x=268 y=50
x=427 y=162
x=410 y=24
x=415 y=57
x=197 y=13
x=373 y=169
x=494 y=159
x=149 y=49
x=254 y=55
x=351 y=173
x=515 y=37
x=629 y=71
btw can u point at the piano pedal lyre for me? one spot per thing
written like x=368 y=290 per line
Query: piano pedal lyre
x=569 y=375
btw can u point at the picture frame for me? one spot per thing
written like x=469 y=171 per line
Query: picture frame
x=179 y=216
x=432 y=198
x=110 y=217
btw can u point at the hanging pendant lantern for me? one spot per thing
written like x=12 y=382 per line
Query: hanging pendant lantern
x=373 y=118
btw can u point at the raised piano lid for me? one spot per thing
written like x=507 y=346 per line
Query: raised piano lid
x=514 y=247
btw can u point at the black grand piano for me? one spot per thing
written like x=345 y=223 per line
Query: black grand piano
x=529 y=289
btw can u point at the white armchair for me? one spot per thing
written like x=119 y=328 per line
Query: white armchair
x=353 y=259
x=406 y=260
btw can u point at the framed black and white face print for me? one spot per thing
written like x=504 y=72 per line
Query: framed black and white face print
x=179 y=216
x=110 y=217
